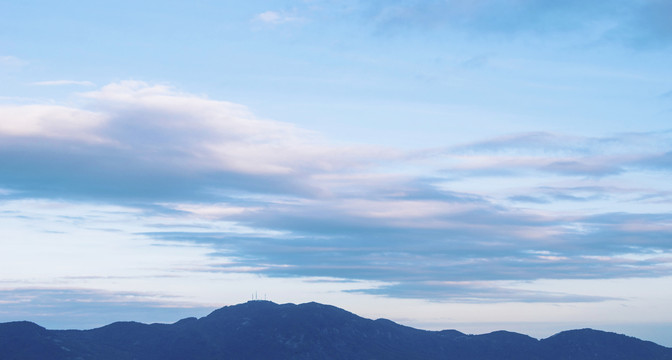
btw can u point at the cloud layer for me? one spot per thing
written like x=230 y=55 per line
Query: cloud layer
x=461 y=221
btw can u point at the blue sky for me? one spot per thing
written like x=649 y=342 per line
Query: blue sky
x=475 y=165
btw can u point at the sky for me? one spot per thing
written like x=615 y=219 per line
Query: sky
x=447 y=164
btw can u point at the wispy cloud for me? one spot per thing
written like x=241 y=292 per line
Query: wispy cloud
x=63 y=83
x=547 y=195
x=275 y=18
x=560 y=154
x=630 y=22
x=478 y=292
x=12 y=61
x=490 y=15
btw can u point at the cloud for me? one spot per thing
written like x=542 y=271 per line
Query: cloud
x=151 y=141
x=529 y=199
x=275 y=18
x=490 y=16
x=544 y=143
x=476 y=166
x=224 y=135
x=548 y=195
x=11 y=62
x=295 y=205
x=50 y=121
x=477 y=292
x=542 y=152
x=639 y=24
x=597 y=168
x=487 y=243
x=661 y=161
x=63 y=83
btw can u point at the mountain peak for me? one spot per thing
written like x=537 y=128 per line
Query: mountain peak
x=261 y=329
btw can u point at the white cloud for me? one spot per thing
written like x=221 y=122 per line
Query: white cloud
x=11 y=61
x=216 y=134
x=50 y=121
x=63 y=83
x=213 y=211
x=184 y=131
x=274 y=17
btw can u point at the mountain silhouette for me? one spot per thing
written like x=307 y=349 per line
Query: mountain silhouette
x=265 y=330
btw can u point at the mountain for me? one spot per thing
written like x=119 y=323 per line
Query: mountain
x=265 y=330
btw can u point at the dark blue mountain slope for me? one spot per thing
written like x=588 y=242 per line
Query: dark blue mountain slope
x=265 y=330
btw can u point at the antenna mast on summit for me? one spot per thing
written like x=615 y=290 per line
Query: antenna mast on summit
x=255 y=296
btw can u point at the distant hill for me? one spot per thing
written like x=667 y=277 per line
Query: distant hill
x=265 y=330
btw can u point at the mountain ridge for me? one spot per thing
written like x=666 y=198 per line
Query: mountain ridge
x=262 y=329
